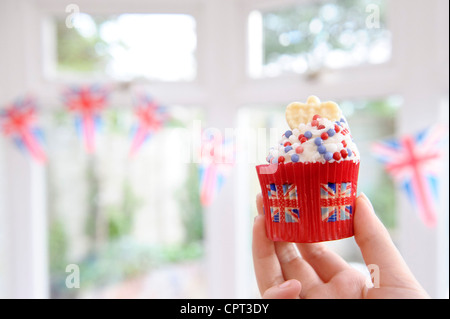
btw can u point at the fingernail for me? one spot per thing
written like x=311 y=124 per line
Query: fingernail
x=367 y=200
x=284 y=284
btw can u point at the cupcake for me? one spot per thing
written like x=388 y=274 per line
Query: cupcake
x=309 y=184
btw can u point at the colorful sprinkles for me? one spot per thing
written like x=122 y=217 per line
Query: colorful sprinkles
x=330 y=140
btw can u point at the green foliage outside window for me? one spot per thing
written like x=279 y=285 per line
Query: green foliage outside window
x=314 y=30
x=78 y=53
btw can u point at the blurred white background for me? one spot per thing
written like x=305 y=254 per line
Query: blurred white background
x=136 y=227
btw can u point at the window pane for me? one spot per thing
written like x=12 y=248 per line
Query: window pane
x=306 y=38
x=128 y=223
x=128 y=46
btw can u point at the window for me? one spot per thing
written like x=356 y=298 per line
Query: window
x=128 y=46
x=307 y=38
x=142 y=214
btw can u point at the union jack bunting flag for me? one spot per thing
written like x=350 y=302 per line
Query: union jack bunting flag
x=415 y=163
x=335 y=201
x=283 y=199
x=19 y=122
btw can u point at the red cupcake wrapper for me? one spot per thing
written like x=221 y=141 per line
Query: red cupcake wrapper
x=309 y=202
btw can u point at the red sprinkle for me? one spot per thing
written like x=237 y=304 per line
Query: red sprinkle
x=300 y=137
x=287 y=144
x=337 y=128
x=316 y=117
x=337 y=156
x=321 y=127
x=303 y=139
x=314 y=123
x=324 y=136
x=299 y=150
x=344 y=153
x=281 y=159
x=344 y=143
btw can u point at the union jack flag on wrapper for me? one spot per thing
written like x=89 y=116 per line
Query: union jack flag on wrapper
x=309 y=202
x=336 y=201
x=283 y=200
x=414 y=162
x=18 y=121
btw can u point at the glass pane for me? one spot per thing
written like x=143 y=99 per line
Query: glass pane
x=129 y=224
x=307 y=38
x=369 y=120
x=128 y=46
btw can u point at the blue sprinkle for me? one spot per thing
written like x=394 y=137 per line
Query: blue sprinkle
x=338 y=123
x=295 y=158
x=308 y=134
x=287 y=148
x=318 y=141
x=349 y=151
x=331 y=132
x=288 y=133
x=322 y=149
x=328 y=156
x=342 y=120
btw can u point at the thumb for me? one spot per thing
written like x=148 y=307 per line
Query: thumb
x=289 y=289
x=376 y=245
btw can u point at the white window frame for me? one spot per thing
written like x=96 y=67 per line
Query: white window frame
x=221 y=88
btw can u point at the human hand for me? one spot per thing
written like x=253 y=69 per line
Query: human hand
x=281 y=272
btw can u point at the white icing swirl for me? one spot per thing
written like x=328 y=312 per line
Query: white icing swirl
x=321 y=140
